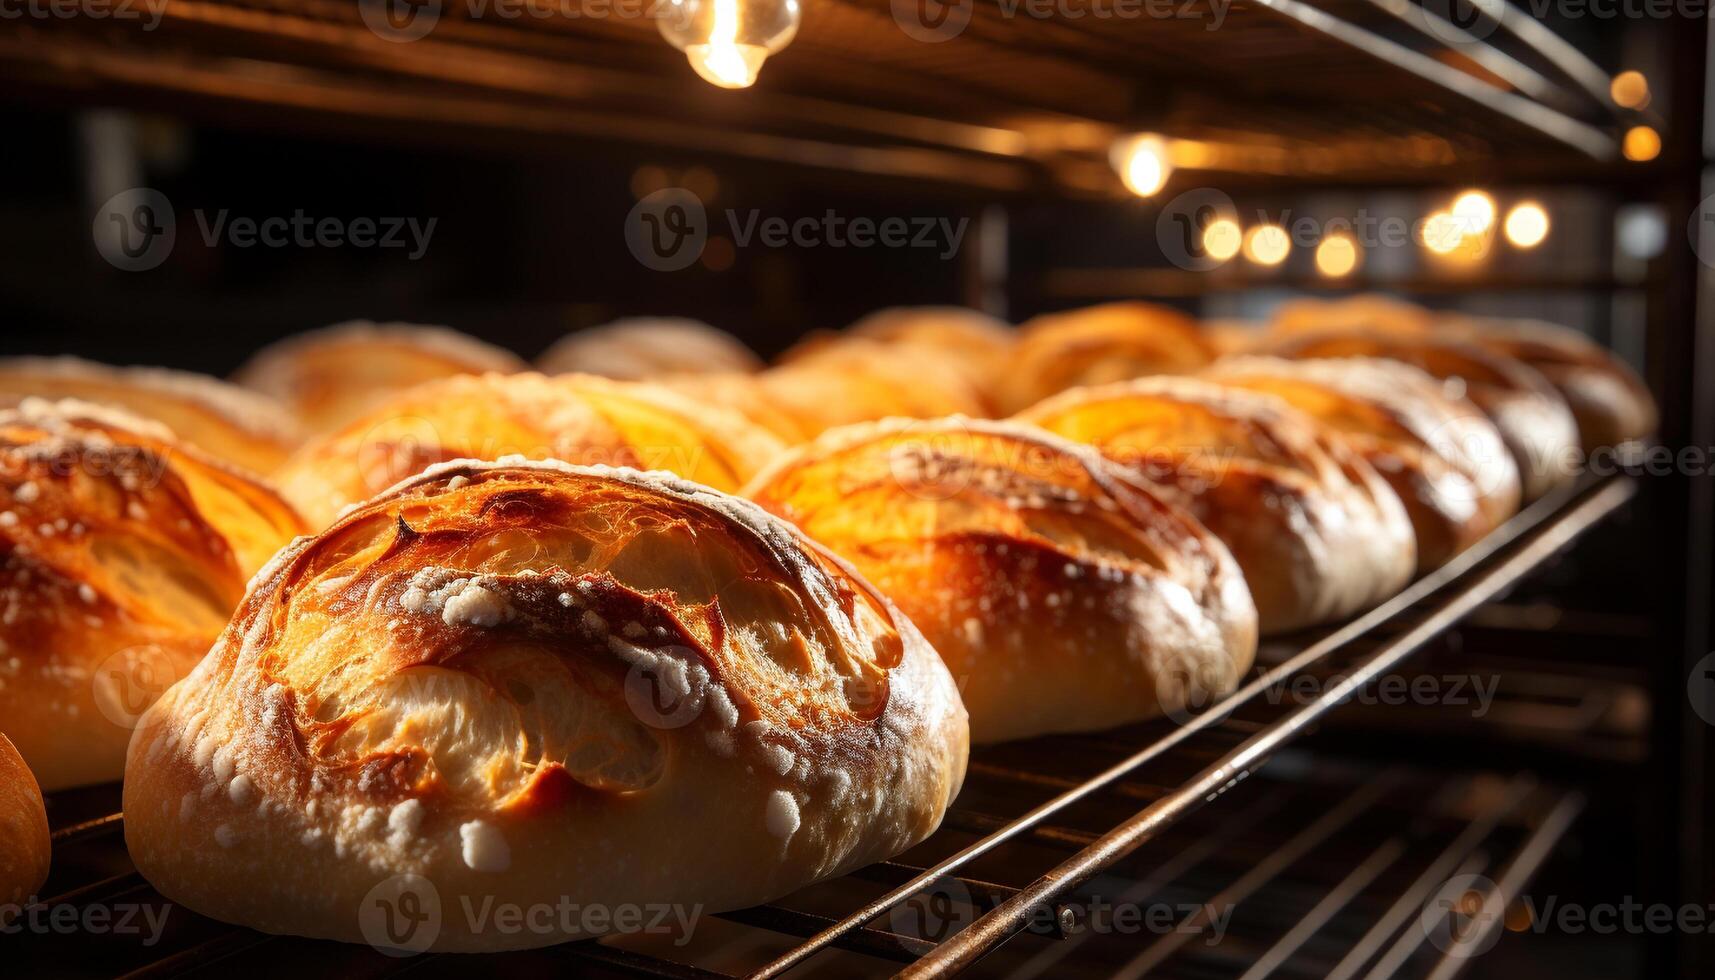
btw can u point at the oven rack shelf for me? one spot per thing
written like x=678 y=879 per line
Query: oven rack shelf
x=1041 y=826
x=1284 y=89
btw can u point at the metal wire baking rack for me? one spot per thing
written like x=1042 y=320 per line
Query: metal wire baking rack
x=1320 y=868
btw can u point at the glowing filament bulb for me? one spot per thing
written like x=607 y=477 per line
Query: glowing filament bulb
x=726 y=41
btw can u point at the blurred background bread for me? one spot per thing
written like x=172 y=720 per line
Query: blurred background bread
x=1062 y=594
x=852 y=379
x=576 y=418
x=977 y=344
x=125 y=552
x=330 y=376
x=1318 y=533
x=1099 y=344
x=228 y=422
x=641 y=348
x=533 y=684
x=1608 y=399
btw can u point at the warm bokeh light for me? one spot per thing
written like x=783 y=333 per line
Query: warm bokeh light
x=1475 y=212
x=1267 y=245
x=1641 y=143
x=1141 y=162
x=1222 y=239
x=1442 y=233
x=1336 y=256
x=1630 y=89
x=1527 y=225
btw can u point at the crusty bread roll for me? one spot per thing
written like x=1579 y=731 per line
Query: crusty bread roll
x=527 y=685
x=639 y=348
x=335 y=374
x=1063 y=594
x=577 y=418
x=1609 y=401
x=24 y=843
x=859 y=380
x=1318 y=533
x=977 y=344
x=221 y=419
x=1441 y=455
x=1365 y=312
x=124 y=552
x=1099 y=344
x=742 y=393
x=1533 y=419
x=1230 y=337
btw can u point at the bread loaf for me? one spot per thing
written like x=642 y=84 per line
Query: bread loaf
x=1062 y=594
x=523 y=686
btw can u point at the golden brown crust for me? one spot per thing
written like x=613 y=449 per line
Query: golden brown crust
x=464 y=678
x=1317 y=532
x=1364 y=313
x=1442 y=456
x=122 y=552
x=576 y=418
x=24 y=842
x=1063 y=595
x=330 y=376
x=1100 y=344
x=1610 y=402
x=644 y=348
x=853 y=379
x=742 y=393
x=223 y=420
x=976 y=344
x=1533 y=419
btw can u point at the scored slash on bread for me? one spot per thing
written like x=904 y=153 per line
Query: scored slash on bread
x=1062 y=595
x=1319 y=534
x=122 y=553
x=531 y=683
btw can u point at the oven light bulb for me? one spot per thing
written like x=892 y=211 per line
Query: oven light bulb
x=726 y=41
x=1141 y=161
